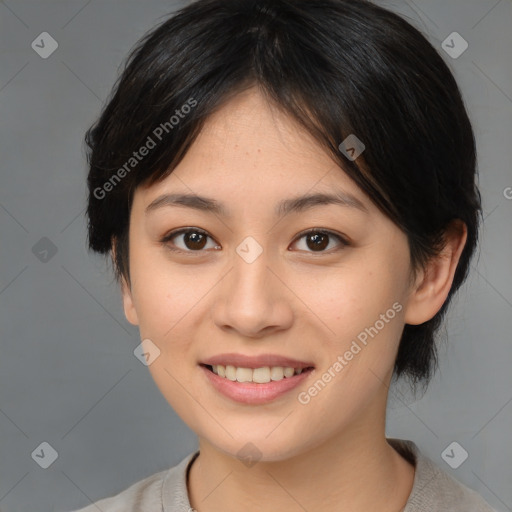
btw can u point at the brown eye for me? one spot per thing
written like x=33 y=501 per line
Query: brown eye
x=192 y=240
x=318 y=240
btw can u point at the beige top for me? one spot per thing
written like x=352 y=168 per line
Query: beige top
x=433 y=490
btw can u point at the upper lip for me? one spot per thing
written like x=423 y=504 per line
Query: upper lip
x=245 y=361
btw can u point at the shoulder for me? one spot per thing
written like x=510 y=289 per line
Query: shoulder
x=435 y=490
x=147 y=494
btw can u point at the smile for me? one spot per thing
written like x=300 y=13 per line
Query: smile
x=261 y=375
x=254 y=386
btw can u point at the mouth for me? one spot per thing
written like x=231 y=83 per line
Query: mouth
x=261 y=375
x=255 y=386
x=255 y=379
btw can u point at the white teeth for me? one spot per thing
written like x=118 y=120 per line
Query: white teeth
x=243 y=374
x=288 y=372
x=230 y=372
x=276 y=372
x=260 y=375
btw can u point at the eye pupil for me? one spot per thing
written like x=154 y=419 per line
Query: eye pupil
x=320 y=241
x=198 y=240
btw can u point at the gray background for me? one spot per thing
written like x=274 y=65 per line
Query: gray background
x=68 y=373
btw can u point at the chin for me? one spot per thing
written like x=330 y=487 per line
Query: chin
x=260 y=447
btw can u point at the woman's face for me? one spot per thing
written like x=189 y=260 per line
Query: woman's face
x=256 y=285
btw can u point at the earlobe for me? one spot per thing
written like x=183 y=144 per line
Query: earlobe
x=433 y=285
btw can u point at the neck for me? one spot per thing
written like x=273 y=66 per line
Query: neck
x=355 y=470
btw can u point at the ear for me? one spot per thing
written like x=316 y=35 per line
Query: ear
x=129 y=308
x=433 y=284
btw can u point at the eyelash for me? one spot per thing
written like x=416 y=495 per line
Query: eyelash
x=166 y=239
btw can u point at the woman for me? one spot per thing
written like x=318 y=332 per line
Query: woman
x=287 y=190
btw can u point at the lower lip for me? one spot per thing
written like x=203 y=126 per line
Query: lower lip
x=253 y=393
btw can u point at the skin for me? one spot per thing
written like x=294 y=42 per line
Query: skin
x=330 y=454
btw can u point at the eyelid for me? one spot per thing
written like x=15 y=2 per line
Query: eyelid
x=344 y=241
x=168 y=236
x=180 y=231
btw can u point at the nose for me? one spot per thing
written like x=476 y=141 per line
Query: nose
x=252 y=299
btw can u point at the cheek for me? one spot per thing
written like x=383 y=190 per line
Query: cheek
x=162 y=293
x=353 y=298
x=165 y=305
x=364 y=308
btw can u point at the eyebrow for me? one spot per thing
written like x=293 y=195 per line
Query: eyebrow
x=284 y=207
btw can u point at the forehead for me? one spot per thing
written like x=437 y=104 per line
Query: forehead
x=251 y=149
x=250 y=125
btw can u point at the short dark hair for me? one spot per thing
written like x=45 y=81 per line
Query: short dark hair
x=338 y=67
